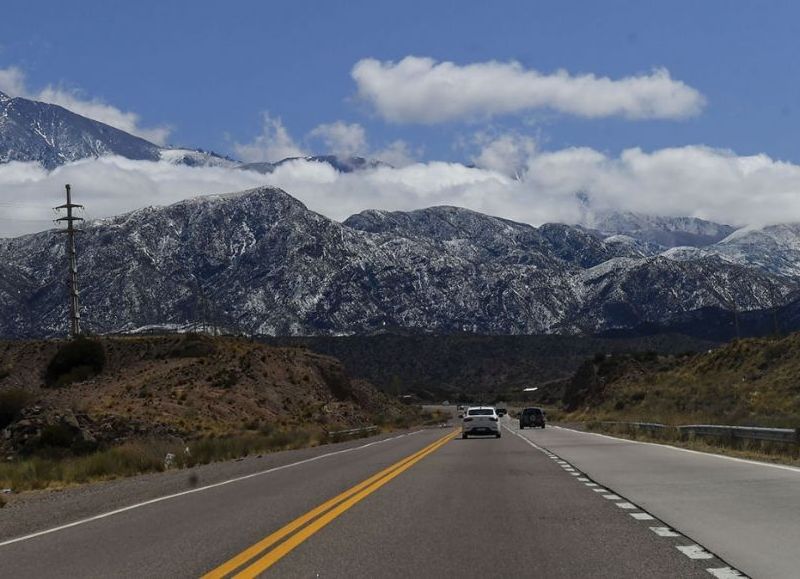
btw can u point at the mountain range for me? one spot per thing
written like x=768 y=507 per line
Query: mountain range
x=260 y=262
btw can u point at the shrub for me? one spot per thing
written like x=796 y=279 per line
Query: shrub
x=12 y=403
x=56 y=436
x=77 y=360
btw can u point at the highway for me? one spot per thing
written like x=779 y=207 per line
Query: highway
x=543 y=503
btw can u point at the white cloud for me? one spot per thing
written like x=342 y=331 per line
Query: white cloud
x=695 y=181
x=13 y=83
x=341 y=138
x=422 y=90
x=398 y=154
x=273 y=144
x=506 y=153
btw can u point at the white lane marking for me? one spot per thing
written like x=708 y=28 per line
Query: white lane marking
x=600 y=490
x=793 y=469
x=590 y=484
x=199 y=489
x=629 y=506
x=583 y=479
x=612 y=497
x=642 y=516
x=575 y=474
x=664 y=532
x=694 y=552
x=725 y=573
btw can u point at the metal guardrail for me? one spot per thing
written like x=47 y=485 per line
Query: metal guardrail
x=787 y=435
x=352 y=431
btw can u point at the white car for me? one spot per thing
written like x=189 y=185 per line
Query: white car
x=480 y=420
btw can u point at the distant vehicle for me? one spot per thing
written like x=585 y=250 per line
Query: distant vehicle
x=480 y=420
x=533 y=417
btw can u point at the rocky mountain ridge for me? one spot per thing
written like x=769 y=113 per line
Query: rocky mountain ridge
x=260 y=262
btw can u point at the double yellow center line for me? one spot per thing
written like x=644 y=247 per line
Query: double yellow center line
x=298 y=530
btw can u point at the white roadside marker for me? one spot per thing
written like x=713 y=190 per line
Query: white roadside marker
x=612 y=497
x=694 y=552
x=629 y=506
x=664 y=532
x=643 y=516
x=725 y=573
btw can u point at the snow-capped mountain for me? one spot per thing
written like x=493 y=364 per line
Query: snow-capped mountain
x=340 y=163
x=775 y=248
x=259 y=261
x=52 y=135
x=658 y=233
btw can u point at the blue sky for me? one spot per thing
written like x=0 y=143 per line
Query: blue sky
x=209 y=70
x=565 y=109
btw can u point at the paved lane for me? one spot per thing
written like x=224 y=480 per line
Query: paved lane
x=747 y=513
x=188 y=535
x=437 y=507
x=488 y=508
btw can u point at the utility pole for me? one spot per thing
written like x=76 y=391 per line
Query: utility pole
x=74 y=311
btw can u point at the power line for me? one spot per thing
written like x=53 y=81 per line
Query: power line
x=74 y=309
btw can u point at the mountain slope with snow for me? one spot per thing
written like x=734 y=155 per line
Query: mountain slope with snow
x=260 y=262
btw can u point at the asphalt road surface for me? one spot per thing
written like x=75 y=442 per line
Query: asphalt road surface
x=427 y=504
x=747 y=512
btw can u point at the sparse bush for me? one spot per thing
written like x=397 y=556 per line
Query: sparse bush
x=227 y=378
x=56 y=436
x=12 y=403
x=193 y=346
x=77 y=360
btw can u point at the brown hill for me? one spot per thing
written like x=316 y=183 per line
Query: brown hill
x=746 y=382
x=172 y=386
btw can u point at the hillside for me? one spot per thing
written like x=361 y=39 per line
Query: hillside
x=746 y=382
x=438 y=367
x=176 y=386
x=260 y=262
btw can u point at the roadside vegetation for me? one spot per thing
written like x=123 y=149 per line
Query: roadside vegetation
x=751 y=382
x=102 y=408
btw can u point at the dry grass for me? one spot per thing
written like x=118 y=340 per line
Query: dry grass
x=141 y=457
x=748 y=382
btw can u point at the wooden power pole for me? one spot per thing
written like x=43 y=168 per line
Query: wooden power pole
x=74 y=309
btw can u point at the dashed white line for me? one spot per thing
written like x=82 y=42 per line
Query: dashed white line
x=583 y=479
x=664 y=532
x=643 y=516
x=600 y=490
x=590 y=484
x=612 y=497
x=694 y=552
x=628 y=506
x=725 y=573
